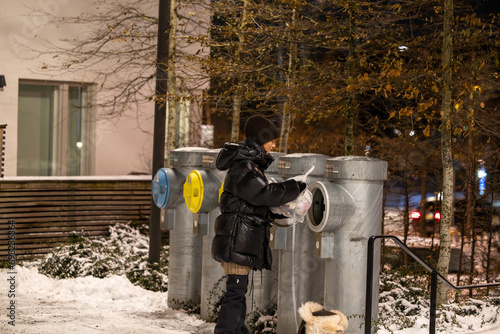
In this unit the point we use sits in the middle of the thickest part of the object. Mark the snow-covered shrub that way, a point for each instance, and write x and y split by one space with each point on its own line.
404 303
190 306
81 258
149 276
263 321
123 252
215 298
400 300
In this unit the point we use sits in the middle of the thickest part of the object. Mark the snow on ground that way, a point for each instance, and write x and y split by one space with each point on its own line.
492 330
113 305
88 305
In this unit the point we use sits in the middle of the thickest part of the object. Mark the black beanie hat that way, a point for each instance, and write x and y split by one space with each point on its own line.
261 130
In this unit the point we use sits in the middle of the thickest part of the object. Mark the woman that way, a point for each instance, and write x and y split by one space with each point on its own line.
241 241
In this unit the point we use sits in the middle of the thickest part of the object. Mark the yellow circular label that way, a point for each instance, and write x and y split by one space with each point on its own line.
193 191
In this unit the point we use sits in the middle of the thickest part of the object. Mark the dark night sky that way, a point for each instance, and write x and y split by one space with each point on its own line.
490 6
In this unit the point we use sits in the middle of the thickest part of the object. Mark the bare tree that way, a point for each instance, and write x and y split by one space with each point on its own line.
118 51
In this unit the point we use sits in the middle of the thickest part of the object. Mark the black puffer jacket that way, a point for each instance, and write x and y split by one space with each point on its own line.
242 229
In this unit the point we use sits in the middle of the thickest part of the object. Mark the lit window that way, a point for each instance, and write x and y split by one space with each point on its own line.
55 128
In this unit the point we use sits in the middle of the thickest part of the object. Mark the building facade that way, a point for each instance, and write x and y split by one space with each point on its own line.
53 123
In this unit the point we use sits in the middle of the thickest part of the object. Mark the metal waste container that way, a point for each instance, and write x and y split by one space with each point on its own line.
346 212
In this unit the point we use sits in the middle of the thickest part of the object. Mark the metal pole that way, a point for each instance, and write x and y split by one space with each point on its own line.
432 325
159 122
2 147
369 286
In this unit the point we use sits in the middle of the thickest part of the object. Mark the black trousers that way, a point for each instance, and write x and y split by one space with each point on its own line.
233 309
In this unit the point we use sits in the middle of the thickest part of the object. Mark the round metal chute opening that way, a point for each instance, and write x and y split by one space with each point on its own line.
317 210
332 207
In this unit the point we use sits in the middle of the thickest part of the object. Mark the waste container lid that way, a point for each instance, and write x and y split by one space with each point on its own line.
193 191
221 190
299 163
273 168
160 188
209 158
187 156
356 168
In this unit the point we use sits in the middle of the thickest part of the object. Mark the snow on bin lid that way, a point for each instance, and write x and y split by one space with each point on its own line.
209 158
299 163
356 168
273 168
187 156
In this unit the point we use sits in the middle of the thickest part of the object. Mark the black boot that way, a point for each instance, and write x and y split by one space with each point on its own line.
232 313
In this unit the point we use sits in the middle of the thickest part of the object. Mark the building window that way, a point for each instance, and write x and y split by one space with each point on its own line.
55 129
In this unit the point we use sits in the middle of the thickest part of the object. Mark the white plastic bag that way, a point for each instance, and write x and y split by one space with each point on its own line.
296 210
302 205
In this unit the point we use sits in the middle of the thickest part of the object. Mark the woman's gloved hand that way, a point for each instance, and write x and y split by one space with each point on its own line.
277 216
302 185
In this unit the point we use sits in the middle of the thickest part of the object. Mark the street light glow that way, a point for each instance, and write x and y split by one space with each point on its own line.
481 173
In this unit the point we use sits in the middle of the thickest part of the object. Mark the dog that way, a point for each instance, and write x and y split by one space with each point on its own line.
317 320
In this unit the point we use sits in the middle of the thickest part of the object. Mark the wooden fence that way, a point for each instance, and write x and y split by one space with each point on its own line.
43 212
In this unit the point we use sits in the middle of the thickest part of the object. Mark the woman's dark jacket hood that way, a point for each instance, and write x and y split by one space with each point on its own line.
232 153
242 229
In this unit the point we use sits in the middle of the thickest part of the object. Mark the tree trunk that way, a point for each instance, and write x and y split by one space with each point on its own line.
490 238
182 105
237 98
406 217
461 254
351 111
446 154
285 128
471 202
472 254
235 123
349 132
470 182
286 124
171 138
422 227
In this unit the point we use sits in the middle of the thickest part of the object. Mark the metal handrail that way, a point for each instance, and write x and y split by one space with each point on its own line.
435 275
